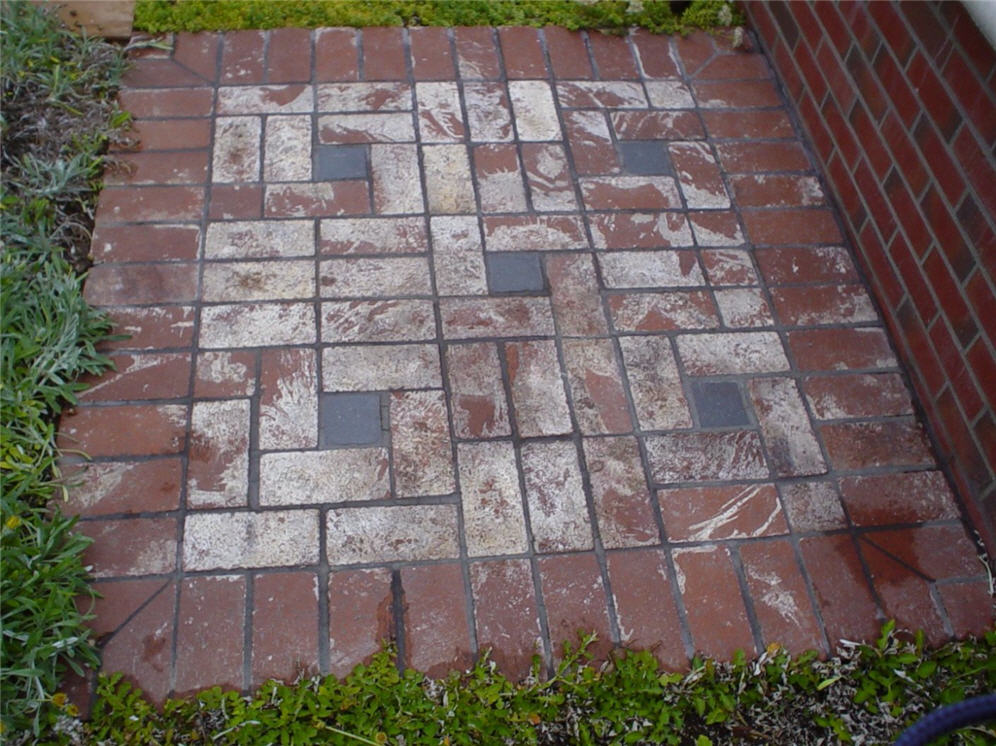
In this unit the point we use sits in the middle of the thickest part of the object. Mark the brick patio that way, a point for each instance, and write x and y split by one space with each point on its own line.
473 338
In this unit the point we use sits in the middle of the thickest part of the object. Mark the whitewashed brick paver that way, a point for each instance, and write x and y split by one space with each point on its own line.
258 280
260 239
493 519
537 389
813 506
288 407
527 233
651 125
236 150
535 112
558 511
720 513
710 234
477 397
374 277
743 307
373 236
397 187
311 477
729 267
380 367
669 94
271 99
641 269
593 379
848 305
746 352
439 115
630 192
495 317
598 94
458 256
793 450
549 177
621 499
575 294
363 97
222 368
643 230
378 321
664 311
360 128
218 466
447 179
702 456
400 533
828 401
590 140
499 178
306 199
287 155
422 454
698 175
653 378
102 479
488 112
257 325
273 538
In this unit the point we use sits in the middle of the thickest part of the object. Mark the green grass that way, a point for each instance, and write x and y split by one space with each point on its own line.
610 15
58 111
867 693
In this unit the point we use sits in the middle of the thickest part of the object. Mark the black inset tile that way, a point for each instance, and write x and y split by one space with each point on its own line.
515 272
645 157
349 420
719 403
336 162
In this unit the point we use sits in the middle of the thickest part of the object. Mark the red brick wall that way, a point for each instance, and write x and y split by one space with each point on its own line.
899 101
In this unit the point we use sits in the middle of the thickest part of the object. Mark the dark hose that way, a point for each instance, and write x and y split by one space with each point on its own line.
950 718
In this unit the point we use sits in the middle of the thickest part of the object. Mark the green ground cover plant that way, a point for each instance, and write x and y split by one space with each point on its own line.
57 115
865 694
157 16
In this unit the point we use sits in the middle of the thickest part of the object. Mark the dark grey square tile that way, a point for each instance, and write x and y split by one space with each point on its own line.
349 419
719 403
517 272
645 157
334 162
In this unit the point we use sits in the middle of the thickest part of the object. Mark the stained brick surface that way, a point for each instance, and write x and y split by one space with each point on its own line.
905 137
478 338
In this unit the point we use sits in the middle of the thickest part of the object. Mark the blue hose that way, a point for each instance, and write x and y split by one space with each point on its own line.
950 718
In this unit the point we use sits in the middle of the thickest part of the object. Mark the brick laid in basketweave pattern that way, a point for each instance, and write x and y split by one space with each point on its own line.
473 337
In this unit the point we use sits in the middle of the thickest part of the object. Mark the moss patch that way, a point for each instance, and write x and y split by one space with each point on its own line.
157 16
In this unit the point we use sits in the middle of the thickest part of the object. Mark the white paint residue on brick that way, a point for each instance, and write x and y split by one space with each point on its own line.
775 596
729 512
289 419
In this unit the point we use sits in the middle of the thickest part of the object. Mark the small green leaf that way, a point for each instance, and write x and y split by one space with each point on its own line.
827 683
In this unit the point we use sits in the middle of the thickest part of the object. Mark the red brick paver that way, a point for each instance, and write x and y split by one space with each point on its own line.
474 338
